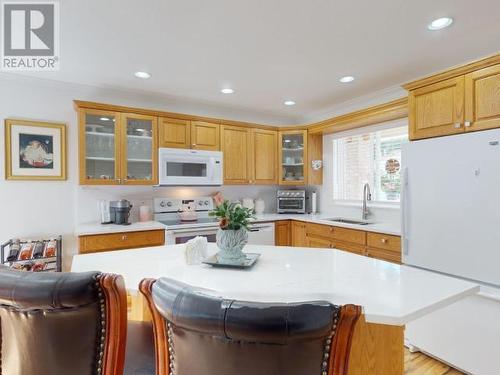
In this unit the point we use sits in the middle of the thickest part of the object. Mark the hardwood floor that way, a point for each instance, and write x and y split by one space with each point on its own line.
420 364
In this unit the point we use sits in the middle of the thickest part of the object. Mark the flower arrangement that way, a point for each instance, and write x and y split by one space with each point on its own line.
232 216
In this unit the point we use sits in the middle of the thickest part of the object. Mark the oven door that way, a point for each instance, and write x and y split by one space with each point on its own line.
184 235
293 205
189 167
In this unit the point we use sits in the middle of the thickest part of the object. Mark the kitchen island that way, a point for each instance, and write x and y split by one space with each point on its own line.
391 295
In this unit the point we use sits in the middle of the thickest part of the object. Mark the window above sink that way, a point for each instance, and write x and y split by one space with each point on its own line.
373 157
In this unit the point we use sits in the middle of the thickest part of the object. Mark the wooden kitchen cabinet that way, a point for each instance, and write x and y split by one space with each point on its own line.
139 150
250 155
196 135
437 109
120 241
319 242
282 233
292 160
384 246
205 136
174 133
375 245
462 99
235 145
482 99
117 148
346 239
350 247
299 234
264 158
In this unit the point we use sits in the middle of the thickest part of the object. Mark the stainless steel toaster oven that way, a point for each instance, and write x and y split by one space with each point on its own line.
291 201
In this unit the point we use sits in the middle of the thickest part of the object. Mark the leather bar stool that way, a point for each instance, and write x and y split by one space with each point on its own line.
196 333
69 323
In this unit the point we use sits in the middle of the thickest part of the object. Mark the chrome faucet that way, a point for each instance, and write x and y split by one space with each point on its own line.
367 196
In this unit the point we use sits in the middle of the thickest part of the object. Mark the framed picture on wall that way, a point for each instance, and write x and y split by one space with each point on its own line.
35 150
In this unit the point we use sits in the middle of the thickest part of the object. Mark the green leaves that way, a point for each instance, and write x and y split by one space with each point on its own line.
232 215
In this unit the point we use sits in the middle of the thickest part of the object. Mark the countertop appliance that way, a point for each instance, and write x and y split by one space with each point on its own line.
291 201
189 167
168 212
450 224
120 211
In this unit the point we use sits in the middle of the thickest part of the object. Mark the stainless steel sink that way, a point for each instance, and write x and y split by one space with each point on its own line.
349 221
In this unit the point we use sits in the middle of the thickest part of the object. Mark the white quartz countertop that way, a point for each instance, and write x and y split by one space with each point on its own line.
379 227
376 226
389 293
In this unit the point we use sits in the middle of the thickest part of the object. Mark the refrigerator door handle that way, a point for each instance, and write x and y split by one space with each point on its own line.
404 211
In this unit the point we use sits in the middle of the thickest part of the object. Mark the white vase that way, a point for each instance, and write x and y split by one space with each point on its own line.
231 243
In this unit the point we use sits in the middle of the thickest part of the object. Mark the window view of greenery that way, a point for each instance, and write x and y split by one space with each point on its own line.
373 158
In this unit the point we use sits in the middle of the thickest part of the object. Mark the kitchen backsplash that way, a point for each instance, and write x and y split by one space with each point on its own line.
88 197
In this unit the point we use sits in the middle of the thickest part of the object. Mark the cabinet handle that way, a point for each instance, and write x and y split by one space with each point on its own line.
193 145
119 180
467 124
331 229
124 237
458 125
383 240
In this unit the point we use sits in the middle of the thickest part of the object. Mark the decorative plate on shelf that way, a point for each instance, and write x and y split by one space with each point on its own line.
250 260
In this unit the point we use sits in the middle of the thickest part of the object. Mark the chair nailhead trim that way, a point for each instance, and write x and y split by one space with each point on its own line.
328 343
102 325
171 352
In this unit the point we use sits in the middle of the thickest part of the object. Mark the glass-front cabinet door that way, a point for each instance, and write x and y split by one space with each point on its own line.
99 141
293 157
117 148
139 150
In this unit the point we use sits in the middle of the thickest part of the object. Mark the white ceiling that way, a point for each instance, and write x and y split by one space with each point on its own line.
268 50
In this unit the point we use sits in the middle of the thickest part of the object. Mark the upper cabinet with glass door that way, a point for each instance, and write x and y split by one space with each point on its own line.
99 147
139 158
117 148
293 157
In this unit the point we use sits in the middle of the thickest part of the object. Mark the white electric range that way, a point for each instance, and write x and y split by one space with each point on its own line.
169 211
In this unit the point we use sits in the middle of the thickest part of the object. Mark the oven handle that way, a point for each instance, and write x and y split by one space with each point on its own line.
291 199
209 230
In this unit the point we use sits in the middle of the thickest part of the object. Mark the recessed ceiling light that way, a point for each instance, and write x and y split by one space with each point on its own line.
289 102
346 79
227 91
440 23
143 75
104 119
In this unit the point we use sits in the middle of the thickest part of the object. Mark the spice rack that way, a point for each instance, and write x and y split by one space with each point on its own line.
50 264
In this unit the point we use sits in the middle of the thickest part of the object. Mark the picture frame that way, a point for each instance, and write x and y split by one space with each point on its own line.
35 150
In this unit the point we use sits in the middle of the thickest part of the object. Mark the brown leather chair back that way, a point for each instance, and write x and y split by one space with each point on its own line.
196 333
62 323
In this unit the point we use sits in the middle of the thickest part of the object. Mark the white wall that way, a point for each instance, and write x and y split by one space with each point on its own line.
45 208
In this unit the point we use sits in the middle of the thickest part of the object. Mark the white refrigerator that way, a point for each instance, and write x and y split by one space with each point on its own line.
451 224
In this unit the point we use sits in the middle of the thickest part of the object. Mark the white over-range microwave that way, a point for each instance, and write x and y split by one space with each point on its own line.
189 167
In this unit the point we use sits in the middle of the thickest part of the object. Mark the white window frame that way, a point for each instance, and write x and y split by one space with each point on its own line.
363 130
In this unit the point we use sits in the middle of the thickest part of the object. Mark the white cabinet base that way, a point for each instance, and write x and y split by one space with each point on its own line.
465 335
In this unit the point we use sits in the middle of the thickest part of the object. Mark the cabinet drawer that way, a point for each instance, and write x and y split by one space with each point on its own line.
319 242
349 246
319 230
388 255
349 235
120 241
385 242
